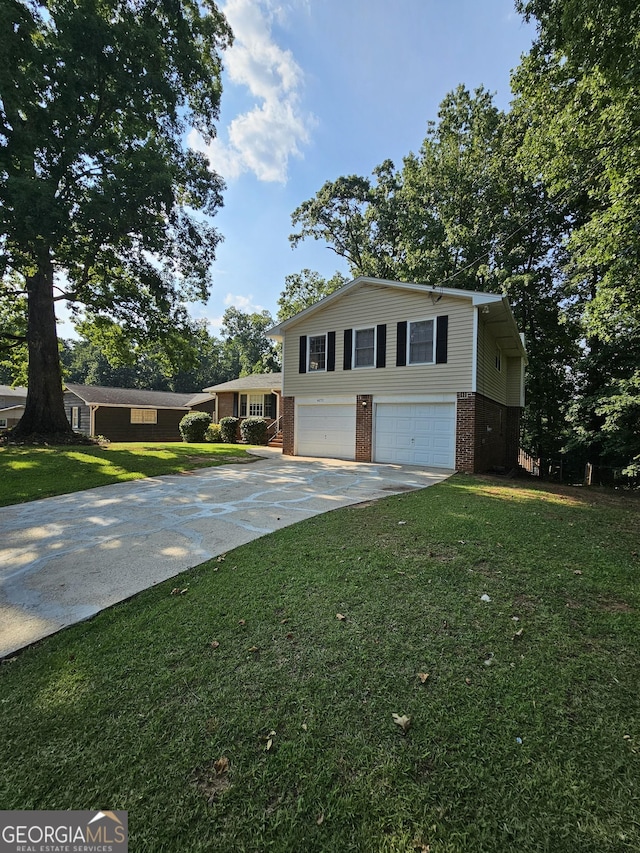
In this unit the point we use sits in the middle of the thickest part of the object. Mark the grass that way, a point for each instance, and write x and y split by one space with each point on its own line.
28 473
243 715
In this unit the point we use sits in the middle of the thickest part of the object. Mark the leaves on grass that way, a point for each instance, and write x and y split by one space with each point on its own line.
518 635
254 649
221 765
242 621
221 558
177 591
423 677
269 743
212 780
485 597
320 819
403 721
215 644
340 617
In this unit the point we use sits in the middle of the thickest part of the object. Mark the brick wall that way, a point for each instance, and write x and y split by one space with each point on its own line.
288 424
465 432
364 427
225 405
513 437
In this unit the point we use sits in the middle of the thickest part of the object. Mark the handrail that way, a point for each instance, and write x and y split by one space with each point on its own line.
275 427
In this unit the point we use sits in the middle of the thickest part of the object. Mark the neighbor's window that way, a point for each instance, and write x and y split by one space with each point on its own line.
498 359
421 342
364 346
75 417
3 423
317 352
144 416
256 405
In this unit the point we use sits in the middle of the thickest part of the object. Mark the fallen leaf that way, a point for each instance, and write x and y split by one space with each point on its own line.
177 591
215 644
518 634
253 649
270 738
242 622
221 765
320 819
221 558
289 636
467 681
340 617
304 727
485 597
402 522
403 721
423 676
489 660
577 572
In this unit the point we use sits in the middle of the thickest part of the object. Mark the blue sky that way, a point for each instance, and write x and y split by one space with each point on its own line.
316 89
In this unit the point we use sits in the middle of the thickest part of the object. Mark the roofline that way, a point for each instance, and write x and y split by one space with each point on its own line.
474 296
90 402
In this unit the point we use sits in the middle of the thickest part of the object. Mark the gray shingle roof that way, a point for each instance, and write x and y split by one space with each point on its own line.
255 382
132 397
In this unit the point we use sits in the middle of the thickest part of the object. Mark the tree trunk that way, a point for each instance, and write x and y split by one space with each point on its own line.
44 417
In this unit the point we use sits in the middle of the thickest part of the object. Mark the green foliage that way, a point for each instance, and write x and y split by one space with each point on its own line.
213 434
229 430
254 430
98 182
194 426
304 289
247 349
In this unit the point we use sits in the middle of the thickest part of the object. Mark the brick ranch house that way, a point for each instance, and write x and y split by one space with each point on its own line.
258 395
387 371
129 414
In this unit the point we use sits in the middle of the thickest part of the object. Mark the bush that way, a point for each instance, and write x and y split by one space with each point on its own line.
254 430
229 430
193 427
213 434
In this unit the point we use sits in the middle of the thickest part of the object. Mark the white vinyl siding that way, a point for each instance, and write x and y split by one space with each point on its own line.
491 382
379 305
144 416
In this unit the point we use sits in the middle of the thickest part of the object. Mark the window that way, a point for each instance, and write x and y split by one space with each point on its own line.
144 416
75 417
421 342
364 347
3 423
498 359
257 405
317 353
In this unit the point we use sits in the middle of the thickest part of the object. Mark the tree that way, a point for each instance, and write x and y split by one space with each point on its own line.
304 289
97 188
247 349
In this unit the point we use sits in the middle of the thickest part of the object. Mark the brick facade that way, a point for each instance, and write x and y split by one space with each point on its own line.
487 434
364 427
288 425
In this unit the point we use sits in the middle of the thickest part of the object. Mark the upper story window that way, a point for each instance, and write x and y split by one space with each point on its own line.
498 359
144 416
364 347
317 353
421 342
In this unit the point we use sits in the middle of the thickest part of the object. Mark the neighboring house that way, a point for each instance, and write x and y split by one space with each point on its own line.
258 395
385 371
129 414
12 401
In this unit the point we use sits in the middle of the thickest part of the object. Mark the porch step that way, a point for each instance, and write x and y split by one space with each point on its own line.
276 441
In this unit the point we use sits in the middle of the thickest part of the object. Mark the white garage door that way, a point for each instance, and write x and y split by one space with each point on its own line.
326 430
416 434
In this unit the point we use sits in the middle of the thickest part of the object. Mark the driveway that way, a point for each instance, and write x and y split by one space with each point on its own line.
64 559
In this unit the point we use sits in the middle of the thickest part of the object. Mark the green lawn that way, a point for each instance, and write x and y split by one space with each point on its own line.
245 715
28 473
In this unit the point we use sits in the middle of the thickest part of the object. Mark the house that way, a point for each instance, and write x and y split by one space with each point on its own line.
387 371
129 414
12 402
258 395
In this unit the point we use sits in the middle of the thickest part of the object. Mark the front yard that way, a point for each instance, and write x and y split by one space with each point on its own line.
247 705
28 473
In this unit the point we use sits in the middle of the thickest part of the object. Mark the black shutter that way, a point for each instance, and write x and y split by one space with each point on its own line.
270 406
331 350
348 346
302 365
401 345
235 404
442 329
381 345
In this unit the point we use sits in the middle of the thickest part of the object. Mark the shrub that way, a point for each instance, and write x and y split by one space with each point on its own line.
254 430
193 427
213 434
229 430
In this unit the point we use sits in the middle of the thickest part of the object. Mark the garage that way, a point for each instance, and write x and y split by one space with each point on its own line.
415 434
326 430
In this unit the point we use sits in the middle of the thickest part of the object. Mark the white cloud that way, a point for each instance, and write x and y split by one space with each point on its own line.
263 139
242 303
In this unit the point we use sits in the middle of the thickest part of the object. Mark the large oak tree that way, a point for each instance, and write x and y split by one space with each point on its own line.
102 203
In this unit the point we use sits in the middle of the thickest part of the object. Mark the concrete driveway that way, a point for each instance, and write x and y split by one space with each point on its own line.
64 559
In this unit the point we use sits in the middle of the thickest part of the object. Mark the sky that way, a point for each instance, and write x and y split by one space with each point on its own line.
318 89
